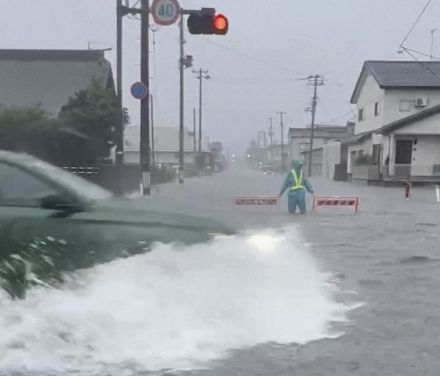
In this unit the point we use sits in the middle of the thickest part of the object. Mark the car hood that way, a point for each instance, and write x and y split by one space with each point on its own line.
146 212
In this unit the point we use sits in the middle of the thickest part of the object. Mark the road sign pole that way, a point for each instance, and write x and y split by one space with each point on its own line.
120 126
145 103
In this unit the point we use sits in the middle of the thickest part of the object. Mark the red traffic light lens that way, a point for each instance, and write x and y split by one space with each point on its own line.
221 23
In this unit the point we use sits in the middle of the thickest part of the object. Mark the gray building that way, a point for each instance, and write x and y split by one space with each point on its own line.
47 78
299 138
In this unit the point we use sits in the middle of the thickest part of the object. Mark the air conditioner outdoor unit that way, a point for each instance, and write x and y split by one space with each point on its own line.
421 102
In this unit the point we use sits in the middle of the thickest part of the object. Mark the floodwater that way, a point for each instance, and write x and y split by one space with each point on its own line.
322 294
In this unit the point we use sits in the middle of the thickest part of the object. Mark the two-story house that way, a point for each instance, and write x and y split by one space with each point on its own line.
397 130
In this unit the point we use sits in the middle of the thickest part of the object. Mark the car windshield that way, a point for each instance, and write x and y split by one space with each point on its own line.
80 187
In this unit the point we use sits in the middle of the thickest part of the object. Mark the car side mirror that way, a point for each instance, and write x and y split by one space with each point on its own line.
61 203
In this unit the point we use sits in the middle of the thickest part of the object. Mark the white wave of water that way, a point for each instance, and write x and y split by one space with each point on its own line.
174 308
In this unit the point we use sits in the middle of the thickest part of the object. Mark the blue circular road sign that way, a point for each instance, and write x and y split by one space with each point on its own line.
139 90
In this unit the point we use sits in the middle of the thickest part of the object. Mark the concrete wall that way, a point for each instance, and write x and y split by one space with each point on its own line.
295 145
365 173
369 95
317 161
353 152
331 158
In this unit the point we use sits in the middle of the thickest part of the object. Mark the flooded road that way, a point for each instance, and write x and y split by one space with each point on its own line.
388 255
329 293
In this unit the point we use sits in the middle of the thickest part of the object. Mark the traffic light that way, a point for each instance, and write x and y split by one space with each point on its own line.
207 22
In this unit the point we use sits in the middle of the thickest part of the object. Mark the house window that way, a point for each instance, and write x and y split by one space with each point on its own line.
361 114
376 109
405 105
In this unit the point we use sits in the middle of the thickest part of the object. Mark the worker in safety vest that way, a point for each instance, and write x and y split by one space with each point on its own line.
297 185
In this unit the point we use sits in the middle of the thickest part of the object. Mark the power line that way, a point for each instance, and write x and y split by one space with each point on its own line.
415 24
421 53
254 58
338 117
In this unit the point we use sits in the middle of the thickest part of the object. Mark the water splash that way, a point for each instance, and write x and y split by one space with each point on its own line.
174 308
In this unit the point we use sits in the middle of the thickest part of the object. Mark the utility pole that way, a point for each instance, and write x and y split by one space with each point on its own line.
315 81
152 133
120 126
184 62
201 75
271 139
281 113
145 103
194 131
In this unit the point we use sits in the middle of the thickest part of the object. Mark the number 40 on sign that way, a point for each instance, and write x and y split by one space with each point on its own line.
165 12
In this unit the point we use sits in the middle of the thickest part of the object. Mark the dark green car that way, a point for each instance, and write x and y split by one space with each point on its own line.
52 222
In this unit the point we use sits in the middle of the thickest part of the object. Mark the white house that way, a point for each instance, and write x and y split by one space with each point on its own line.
299 138
397 130
166 146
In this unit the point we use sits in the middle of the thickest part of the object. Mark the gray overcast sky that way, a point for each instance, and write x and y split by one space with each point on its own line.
293 38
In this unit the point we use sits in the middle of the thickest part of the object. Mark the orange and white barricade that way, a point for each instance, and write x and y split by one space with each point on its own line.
336 201
257 201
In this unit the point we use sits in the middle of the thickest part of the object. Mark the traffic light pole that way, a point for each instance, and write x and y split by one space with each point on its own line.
145 103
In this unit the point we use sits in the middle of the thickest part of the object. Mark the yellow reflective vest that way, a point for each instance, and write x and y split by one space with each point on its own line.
298 182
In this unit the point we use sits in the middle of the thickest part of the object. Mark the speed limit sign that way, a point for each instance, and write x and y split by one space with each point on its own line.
165 12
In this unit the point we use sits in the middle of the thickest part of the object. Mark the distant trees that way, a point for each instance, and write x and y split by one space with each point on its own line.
83 132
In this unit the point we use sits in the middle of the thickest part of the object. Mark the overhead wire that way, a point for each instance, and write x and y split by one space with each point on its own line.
342 116
254 58
415 24
422 53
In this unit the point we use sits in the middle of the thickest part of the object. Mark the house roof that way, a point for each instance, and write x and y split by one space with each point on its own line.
48 78
386 129
321 131
166 139
357 138
51 55
399 74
